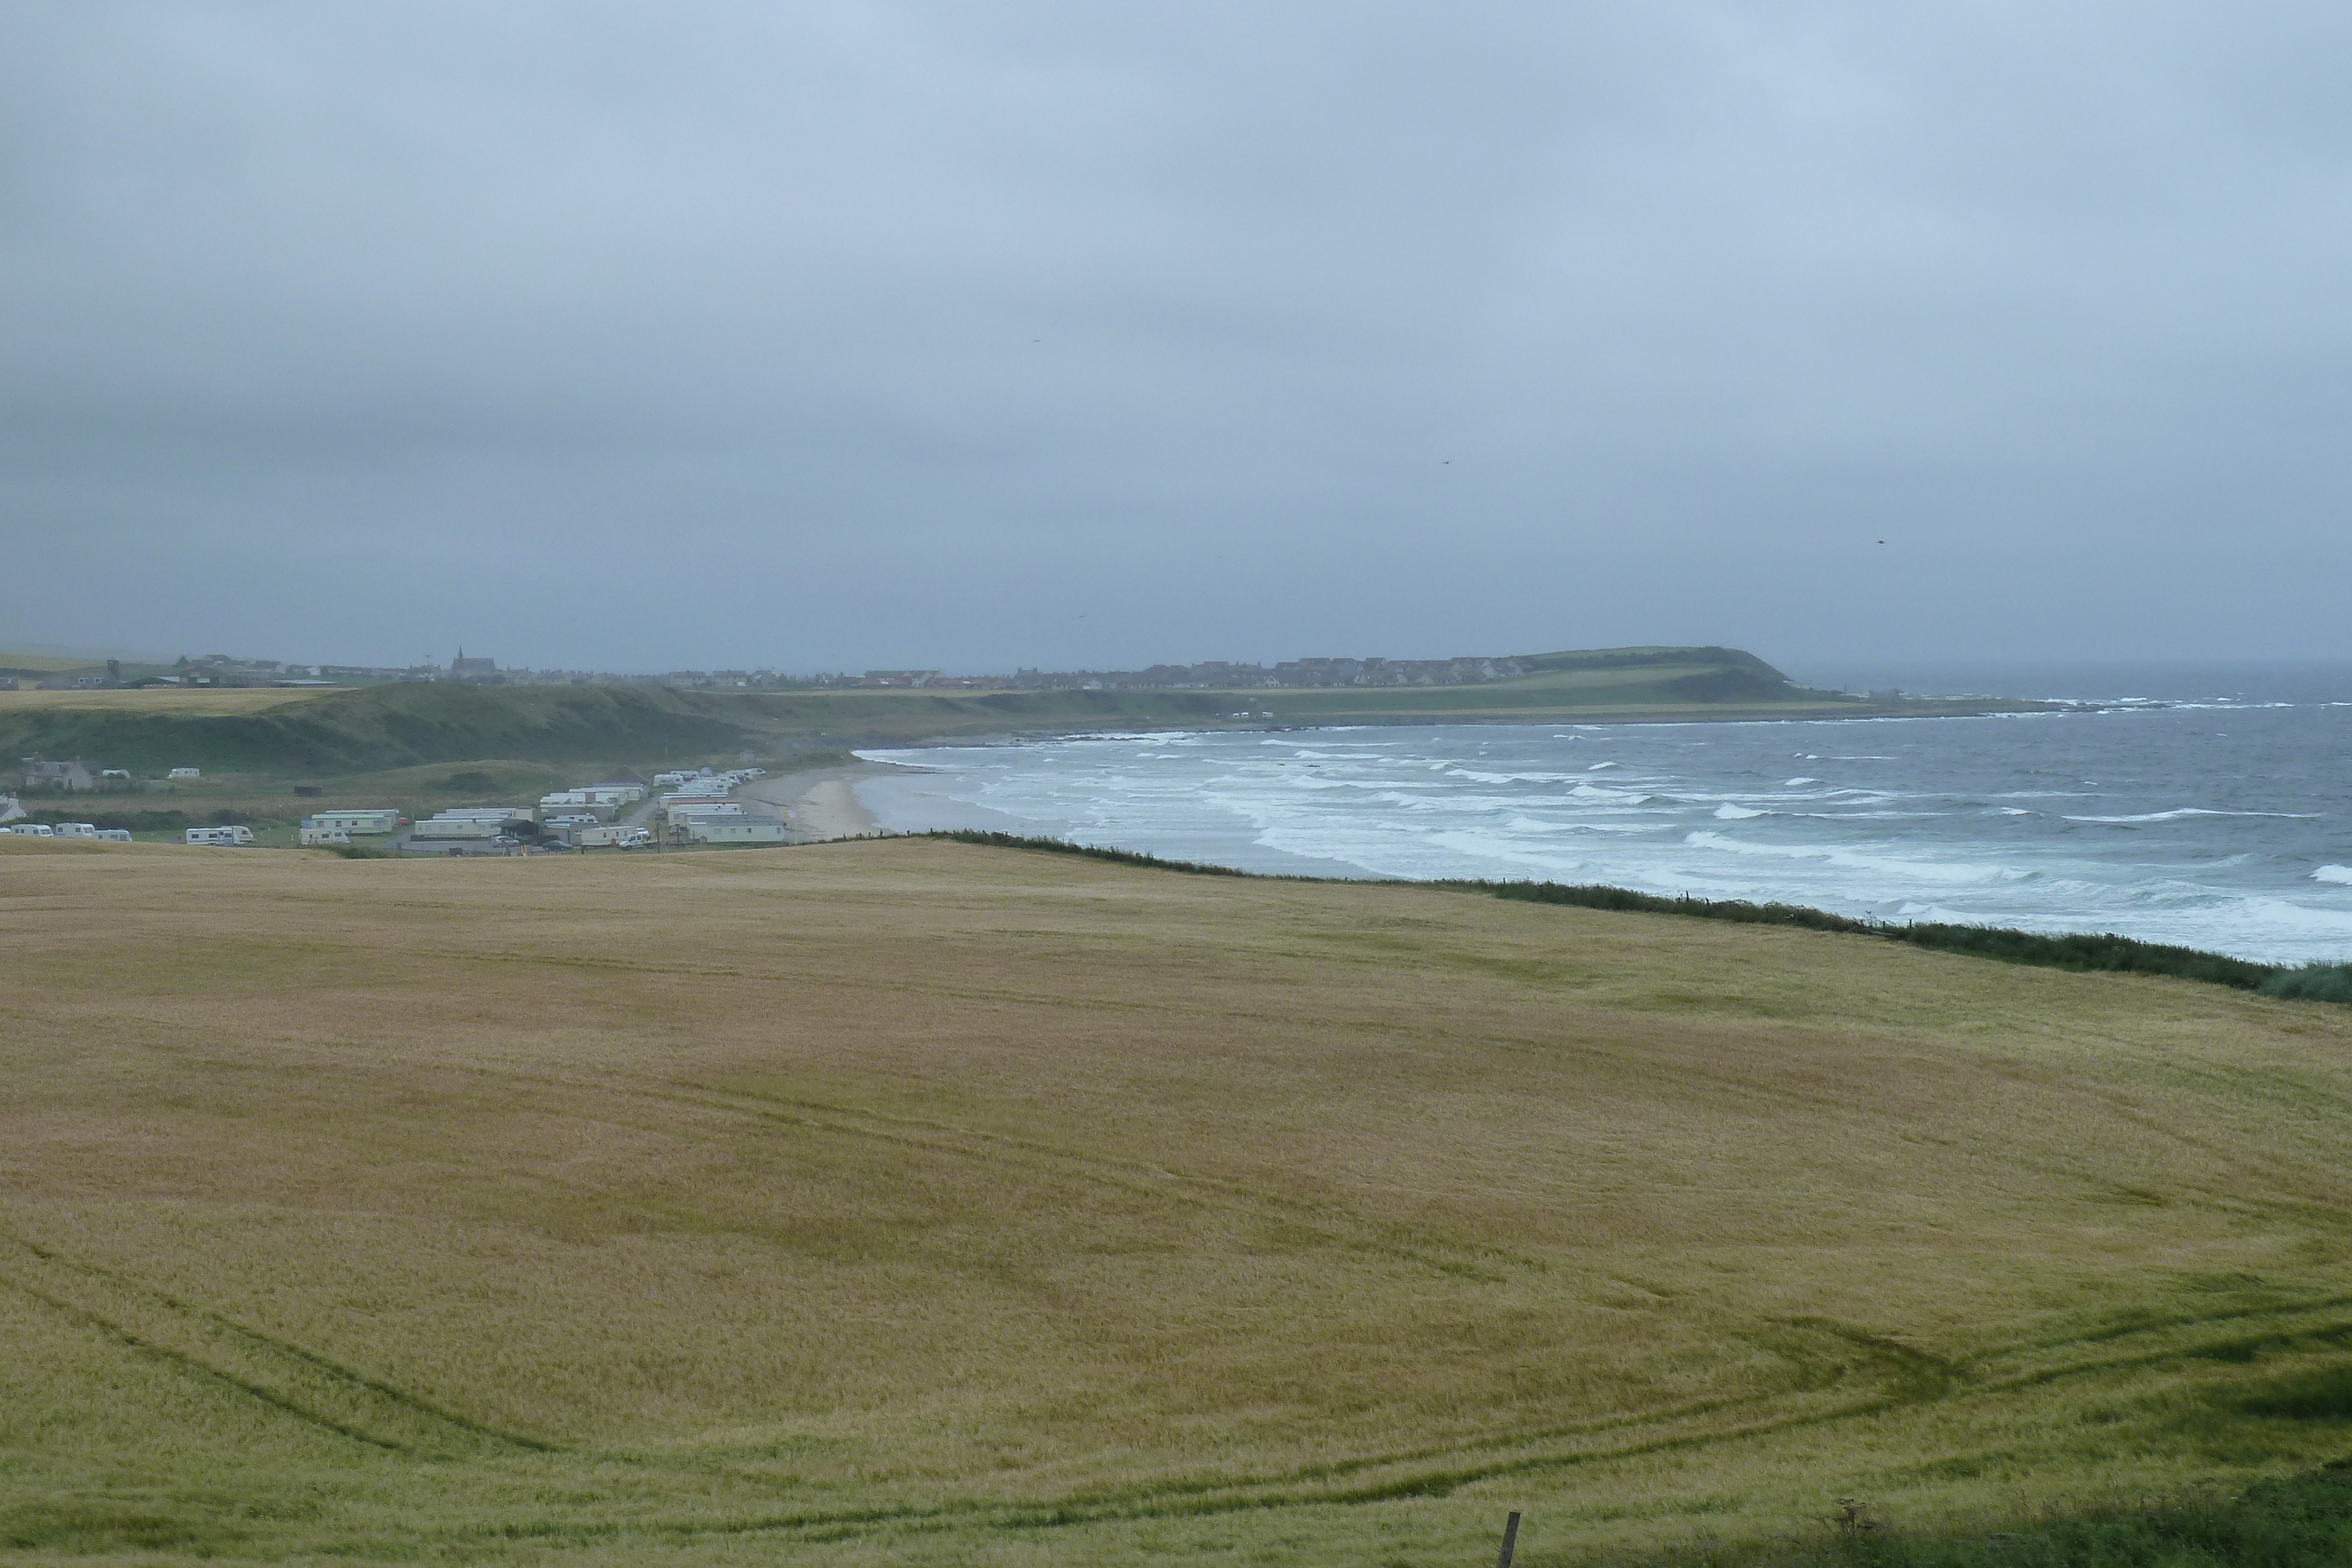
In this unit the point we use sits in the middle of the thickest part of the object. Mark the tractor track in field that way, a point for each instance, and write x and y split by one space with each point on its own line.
294 1380
1905 1377
1337 1224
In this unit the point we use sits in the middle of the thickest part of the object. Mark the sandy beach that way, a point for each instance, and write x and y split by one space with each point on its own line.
821 802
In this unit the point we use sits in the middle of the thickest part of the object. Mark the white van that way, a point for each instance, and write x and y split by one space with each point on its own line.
224 835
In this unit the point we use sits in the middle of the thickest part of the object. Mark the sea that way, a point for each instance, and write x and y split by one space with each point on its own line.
2208 806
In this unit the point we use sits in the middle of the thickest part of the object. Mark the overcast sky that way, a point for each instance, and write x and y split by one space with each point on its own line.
819 336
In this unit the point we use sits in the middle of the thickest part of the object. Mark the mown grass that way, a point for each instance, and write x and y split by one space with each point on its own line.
914 1201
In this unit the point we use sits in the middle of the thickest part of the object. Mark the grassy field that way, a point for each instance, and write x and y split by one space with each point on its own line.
169 701
911 1201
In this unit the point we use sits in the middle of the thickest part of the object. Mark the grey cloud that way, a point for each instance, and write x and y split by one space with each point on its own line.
833 335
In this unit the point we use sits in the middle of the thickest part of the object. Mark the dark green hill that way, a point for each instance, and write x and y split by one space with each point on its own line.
379 727
392 727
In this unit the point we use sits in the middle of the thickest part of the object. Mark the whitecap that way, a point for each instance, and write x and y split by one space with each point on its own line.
2181 812
1730 813
1792 783
1926 871
2336 874
1477 778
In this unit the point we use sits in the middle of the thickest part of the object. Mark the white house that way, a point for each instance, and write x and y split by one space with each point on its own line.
40 775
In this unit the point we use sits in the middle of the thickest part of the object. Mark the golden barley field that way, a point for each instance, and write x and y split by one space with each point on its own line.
915 1202
206 703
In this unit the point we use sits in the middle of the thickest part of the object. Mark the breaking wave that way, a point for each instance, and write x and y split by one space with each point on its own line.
1959 821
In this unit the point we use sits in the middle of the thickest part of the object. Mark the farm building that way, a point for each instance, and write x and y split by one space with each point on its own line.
41 775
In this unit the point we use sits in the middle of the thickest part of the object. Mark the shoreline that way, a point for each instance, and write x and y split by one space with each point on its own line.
822 803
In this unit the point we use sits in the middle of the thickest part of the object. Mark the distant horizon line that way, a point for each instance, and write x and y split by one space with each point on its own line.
1875 662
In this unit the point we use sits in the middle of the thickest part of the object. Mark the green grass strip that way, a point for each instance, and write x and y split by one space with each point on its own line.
2080 952
2304 1522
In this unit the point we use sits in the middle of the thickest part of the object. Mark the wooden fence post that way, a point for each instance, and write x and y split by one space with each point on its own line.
1510 1541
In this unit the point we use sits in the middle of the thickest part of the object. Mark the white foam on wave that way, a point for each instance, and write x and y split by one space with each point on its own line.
1610 797
1854 860
2179 812
1727 812
1597 766
1792 783
2340 874
1875 816
1477 778
904 760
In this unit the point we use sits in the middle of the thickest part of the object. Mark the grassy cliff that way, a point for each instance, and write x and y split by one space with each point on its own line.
392 727
370 729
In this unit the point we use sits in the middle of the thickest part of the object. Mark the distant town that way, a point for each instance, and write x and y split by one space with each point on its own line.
221 670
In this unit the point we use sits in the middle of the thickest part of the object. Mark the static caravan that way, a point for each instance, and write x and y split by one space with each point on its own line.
735 830
227 835
312 837
34 831
357 819
115 835
77 830
458 828
187 773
